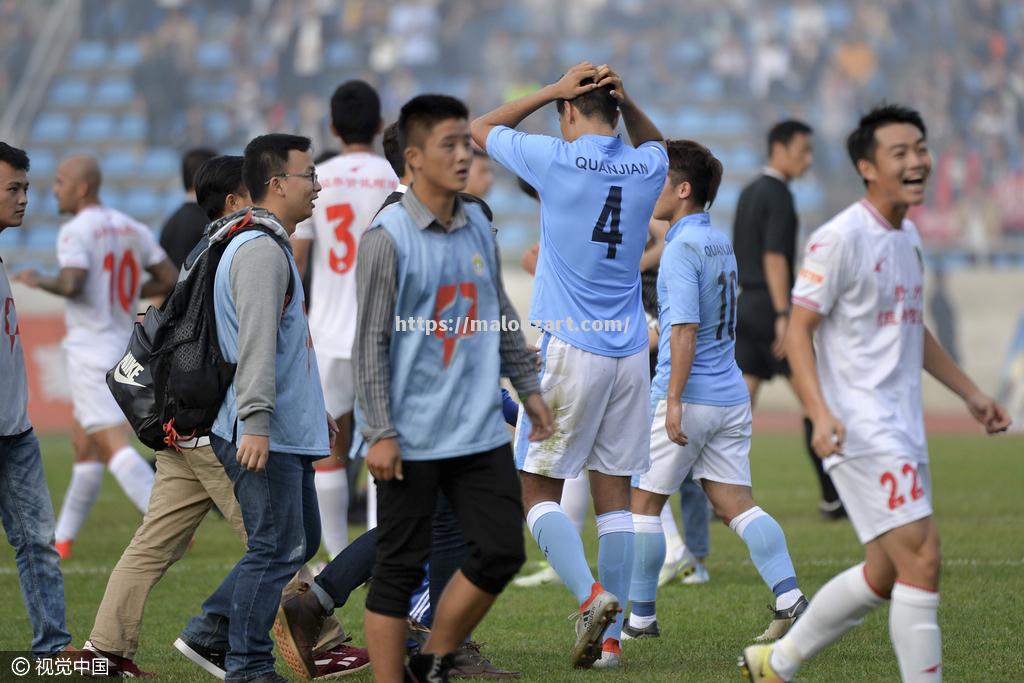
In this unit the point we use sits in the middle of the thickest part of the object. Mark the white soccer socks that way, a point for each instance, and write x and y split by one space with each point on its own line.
86 479
332 499
134 475
914 630
839 606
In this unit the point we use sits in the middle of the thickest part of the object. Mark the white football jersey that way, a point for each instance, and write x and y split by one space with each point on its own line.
115 249
867 279
354 188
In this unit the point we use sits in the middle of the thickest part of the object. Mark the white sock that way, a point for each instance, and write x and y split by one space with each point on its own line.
788 599
839 606
576 499
673 541
86 479
371 501
914 630
134 475
332 497
642 622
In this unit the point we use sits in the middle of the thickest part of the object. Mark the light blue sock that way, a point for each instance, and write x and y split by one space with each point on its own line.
648 556
615 560
767 545
562 547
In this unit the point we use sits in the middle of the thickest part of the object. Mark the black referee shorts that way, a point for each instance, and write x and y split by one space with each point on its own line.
755 334
483 490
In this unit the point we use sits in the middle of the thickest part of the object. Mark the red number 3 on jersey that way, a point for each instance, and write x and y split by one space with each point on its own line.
343 214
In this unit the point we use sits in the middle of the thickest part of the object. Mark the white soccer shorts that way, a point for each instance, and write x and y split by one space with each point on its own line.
881 492
92 403
717 448
338 382
601 411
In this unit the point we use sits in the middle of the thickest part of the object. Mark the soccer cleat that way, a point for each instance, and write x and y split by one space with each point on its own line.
783 620
297 629
698 576
832 511
592 620
428 669
611 655
211 661
632 633
545 575
756 665
680 563
469 662
64 549
117 666
341 661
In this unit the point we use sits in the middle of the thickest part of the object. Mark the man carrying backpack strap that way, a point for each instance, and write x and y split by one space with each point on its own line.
272 424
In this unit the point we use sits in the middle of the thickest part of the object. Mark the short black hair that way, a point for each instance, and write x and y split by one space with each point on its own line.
393 150
267 156
355 112
420 114
597 102
861 143
783 132
694 163
215 180
190 163
14 157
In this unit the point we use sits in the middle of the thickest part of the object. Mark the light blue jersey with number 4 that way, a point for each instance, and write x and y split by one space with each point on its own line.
697 284
596 198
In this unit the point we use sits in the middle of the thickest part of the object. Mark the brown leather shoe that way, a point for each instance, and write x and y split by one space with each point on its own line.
469 662
297 629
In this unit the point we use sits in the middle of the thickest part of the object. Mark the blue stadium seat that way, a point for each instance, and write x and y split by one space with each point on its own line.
119 164
342 54
89 55
69 92
42 237
44 163
126 55
213 56
52 127
685 53
95 126
212 90
217 125
114 92
728 195
142 203
706 87
112 196
132 127
160 162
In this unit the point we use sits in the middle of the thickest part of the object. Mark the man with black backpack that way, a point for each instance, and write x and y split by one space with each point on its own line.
272 424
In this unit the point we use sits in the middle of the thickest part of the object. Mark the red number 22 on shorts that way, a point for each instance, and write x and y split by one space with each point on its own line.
895 498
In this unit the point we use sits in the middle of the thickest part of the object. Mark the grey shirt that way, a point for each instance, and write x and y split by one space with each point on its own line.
13 380
377 293
259 283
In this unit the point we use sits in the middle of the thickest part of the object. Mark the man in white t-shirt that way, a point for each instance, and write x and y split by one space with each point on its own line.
861 290
355 184
102 255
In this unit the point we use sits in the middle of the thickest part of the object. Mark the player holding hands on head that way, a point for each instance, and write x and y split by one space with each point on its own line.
856 346
597 194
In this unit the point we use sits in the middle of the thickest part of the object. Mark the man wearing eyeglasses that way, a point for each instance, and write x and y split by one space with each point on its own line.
273 423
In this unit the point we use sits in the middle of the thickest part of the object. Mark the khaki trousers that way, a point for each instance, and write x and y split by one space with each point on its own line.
187 486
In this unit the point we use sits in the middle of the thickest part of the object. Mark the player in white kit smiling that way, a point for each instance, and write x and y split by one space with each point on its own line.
102 255
856 345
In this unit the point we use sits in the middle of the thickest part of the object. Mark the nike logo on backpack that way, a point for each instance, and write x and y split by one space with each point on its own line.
127 370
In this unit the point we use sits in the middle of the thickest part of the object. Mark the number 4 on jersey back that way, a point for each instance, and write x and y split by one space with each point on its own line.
610 216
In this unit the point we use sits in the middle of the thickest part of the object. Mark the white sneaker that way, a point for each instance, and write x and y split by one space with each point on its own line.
678 562
700 575
541 577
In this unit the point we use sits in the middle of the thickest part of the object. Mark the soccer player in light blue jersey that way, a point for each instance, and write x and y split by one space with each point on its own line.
597 194
700 404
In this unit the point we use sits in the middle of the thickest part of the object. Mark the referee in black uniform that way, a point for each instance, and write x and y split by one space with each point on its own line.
764 238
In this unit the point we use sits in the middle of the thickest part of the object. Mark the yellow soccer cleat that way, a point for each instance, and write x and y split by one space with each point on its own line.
756 666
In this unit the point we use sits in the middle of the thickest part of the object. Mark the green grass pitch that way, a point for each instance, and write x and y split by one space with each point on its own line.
978 494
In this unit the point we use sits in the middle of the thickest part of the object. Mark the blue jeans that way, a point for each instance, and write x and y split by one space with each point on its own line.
282 521
693 506
28 520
